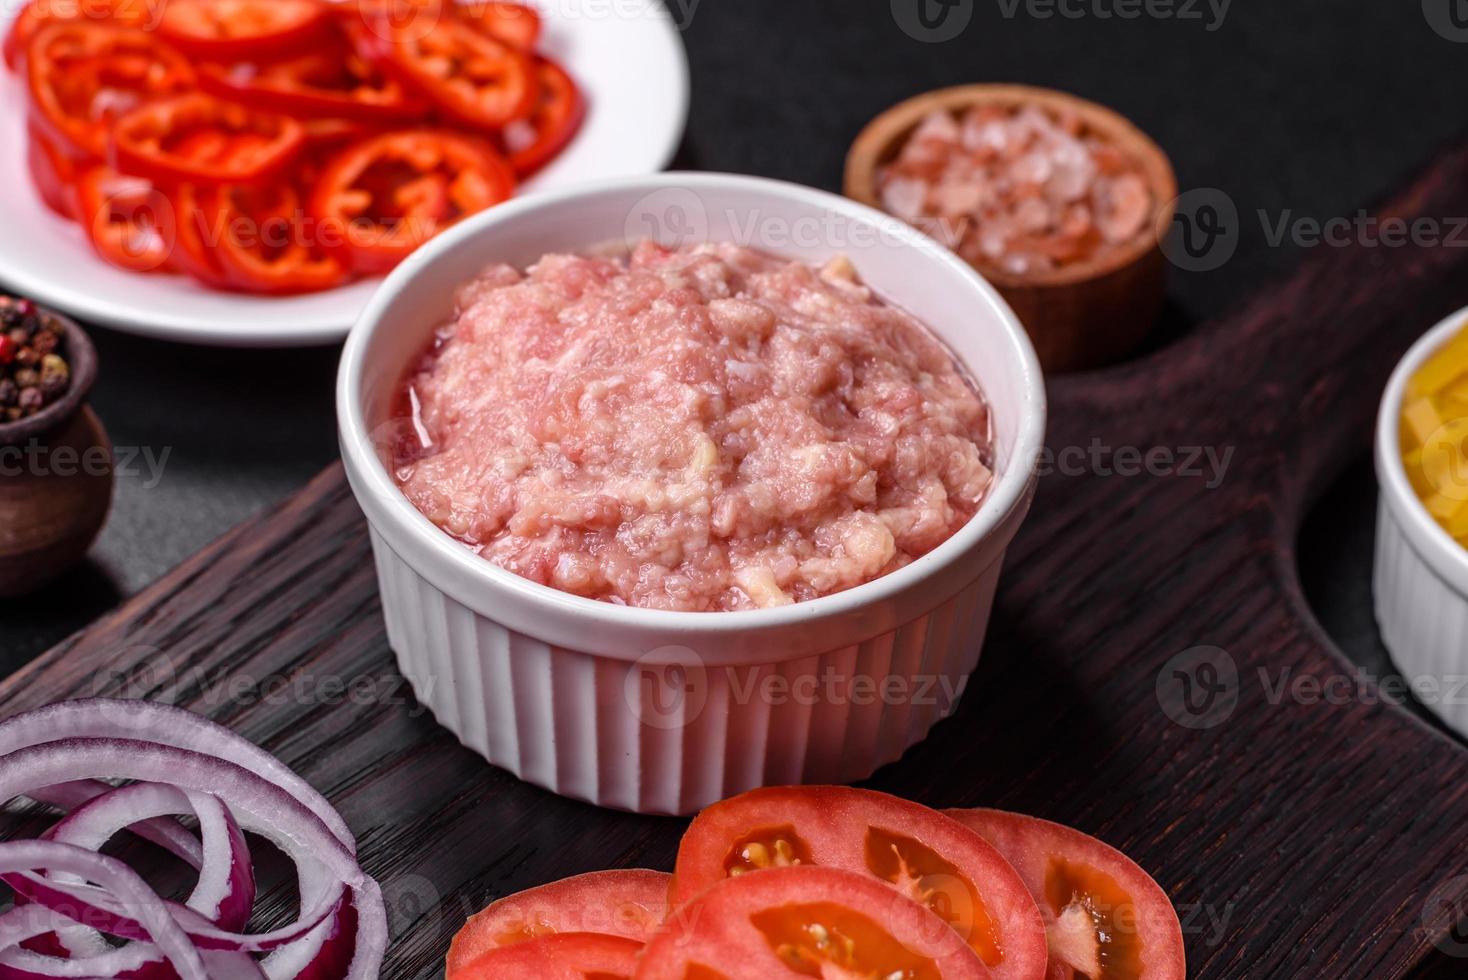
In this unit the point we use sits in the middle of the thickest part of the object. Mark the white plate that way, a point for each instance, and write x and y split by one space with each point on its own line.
626 55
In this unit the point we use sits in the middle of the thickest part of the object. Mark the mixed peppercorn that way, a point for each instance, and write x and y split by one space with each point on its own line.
33 368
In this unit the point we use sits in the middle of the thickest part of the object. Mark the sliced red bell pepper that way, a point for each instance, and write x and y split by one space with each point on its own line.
82 76
197 239
534 142
232 29
266 243
41 13
383 197
130 223
336 83
200 139
54 174
325 135
477 79
513 23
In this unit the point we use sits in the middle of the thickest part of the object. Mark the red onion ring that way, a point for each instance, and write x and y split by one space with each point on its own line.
137 961
167 834
225 892
164 724
60 753
119 880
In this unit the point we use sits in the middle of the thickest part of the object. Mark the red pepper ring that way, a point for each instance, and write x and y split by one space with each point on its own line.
534 142
479 80
130 223
229 29
54 174
38 14
199 139
387 19
197 254
379 199
513 23
263 241
81 76
334 84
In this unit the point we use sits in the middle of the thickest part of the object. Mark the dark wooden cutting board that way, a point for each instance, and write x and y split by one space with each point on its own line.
1298 839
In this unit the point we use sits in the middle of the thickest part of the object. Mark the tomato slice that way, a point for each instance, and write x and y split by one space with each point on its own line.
41 13
537 140
387 195
797 922
130 222
54 174
629 904
925 855
229 29
205 140
82 76
1106 918
568 956
477 79
336 83
513 23
261 242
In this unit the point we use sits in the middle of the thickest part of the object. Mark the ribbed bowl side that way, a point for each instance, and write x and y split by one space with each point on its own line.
670 734
1424 622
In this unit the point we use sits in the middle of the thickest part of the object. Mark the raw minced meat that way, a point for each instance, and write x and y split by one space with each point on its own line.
700 429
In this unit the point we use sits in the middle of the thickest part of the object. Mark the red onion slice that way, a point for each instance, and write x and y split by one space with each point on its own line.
324 862
324 954
119 880
137 961
167 834
225 892
164 724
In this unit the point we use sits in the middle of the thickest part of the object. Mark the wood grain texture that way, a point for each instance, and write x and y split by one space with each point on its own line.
1298 839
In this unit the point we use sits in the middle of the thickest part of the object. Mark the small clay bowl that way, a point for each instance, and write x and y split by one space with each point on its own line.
1083 315
55 479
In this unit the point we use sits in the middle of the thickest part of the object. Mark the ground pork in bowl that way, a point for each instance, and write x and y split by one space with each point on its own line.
688 484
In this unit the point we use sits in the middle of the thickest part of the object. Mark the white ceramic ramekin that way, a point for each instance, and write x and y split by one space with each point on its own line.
1421 580
663 712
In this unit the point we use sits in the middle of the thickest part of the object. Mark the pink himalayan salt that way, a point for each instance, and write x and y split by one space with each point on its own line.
1020 190
709 428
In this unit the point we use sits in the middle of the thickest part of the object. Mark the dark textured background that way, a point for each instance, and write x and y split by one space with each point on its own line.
1311 107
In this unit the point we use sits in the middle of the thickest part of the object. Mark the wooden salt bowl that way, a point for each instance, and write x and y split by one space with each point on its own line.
1083 315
